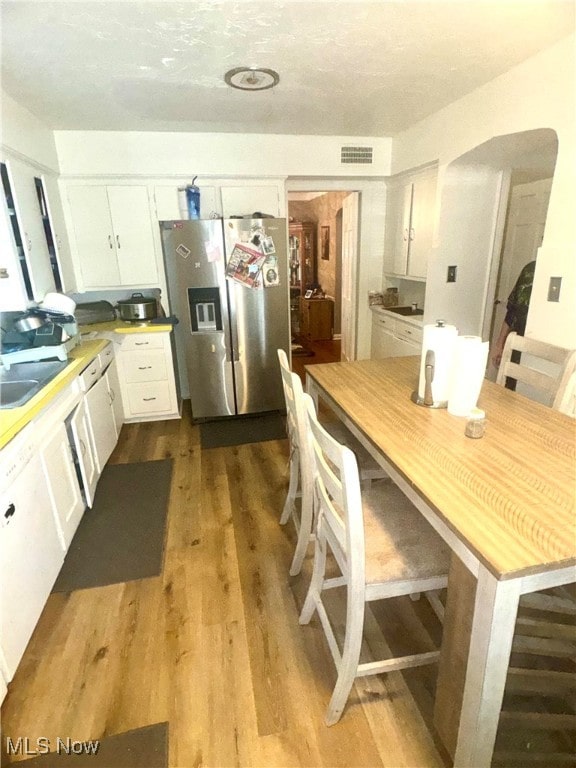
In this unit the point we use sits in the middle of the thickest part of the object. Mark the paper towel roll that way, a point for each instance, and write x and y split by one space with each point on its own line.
469 366
440 339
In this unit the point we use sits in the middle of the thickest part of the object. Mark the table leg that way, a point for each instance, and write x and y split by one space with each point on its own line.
495 609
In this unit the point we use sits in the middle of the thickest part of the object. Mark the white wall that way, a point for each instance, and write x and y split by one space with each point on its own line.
539 93
24 134
226 154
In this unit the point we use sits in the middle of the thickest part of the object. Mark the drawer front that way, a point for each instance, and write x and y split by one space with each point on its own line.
409 332
142 341
106 356
381 321
90 375
149 397
144 366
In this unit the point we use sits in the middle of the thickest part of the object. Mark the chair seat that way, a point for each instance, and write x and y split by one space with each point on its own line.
341 433
400 544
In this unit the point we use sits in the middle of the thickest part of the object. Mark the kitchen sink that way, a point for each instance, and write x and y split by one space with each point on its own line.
23 380
406 311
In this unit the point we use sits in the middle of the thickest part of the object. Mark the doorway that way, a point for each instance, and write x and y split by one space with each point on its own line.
316 276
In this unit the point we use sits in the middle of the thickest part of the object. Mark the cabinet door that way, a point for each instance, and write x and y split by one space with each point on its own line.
421 224
93 234
101 421
383 340
168 207
398 203
29 217
13 296
60 235
31 556
60 473
133 236
84 452
115 395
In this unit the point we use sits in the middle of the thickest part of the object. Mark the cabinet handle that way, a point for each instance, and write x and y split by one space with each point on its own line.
406 233
82 447
141 343
10 511
118 240
110 242
147 399
144 367
411 233
112 395
28 241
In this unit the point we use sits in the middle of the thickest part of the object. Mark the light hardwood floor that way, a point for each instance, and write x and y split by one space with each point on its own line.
213 644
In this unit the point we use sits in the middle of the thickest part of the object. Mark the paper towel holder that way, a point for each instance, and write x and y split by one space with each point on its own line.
428 401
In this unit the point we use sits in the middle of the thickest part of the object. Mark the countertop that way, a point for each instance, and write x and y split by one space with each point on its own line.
417 320
13 420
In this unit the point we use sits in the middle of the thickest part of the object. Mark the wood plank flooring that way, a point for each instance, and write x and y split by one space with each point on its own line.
213 644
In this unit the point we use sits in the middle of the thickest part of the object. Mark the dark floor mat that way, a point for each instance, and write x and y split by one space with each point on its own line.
243 429
300 351
141 748
122 537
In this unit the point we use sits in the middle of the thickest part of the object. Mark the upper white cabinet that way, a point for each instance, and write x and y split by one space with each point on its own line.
24 236
168 206
113 236
222 199
247 199
410 211
59 234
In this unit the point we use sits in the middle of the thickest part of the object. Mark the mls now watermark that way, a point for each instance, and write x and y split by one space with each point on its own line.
42 746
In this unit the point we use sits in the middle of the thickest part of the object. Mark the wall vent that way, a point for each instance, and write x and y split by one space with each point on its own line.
356 155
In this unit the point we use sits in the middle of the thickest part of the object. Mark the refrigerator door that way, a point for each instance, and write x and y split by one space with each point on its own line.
194 259
259 317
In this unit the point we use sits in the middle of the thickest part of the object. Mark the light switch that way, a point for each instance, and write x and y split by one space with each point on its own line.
554 289
451 276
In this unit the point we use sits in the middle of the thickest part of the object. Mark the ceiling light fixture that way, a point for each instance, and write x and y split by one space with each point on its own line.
252 78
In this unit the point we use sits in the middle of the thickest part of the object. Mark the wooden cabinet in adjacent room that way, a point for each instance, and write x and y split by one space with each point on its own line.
316 319
302 254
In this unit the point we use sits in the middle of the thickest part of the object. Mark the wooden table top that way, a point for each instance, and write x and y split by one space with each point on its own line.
508 496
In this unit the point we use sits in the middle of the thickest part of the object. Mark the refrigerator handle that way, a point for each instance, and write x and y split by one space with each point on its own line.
233 327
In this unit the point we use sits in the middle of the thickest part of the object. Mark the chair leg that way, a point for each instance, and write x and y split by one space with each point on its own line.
292 486
306 525
348 667
316 581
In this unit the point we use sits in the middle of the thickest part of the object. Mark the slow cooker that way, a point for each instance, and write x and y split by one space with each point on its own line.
138 307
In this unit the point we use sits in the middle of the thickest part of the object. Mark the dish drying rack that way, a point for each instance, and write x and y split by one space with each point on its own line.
35 354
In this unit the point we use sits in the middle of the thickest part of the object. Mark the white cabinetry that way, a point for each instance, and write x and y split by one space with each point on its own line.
246 199
392 337
222 199
79 426
59 233
65 496
410 211
146 373
113 236
102 425
31 553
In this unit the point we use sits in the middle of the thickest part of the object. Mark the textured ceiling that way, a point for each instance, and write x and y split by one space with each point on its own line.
346 68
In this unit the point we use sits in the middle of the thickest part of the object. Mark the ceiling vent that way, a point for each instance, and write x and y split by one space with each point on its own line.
356 155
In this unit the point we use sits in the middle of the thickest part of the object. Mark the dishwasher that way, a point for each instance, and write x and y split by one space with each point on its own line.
31 553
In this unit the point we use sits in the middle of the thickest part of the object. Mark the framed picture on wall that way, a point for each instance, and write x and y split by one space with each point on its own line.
325 242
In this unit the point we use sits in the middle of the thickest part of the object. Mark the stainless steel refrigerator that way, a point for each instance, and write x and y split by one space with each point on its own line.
228 286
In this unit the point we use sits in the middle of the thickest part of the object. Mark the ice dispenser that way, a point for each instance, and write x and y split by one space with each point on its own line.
205 311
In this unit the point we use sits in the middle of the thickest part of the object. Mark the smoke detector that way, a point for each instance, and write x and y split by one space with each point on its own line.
252 78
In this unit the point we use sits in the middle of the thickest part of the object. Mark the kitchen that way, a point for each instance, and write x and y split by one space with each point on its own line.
238 173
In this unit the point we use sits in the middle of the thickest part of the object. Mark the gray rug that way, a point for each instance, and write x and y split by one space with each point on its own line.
141 748
243 429
122 537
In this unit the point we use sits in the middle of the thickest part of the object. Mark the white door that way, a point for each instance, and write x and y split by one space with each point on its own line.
31 228
523 235
101 421
67 502
350 210
95 244
133 236
84 452
59 232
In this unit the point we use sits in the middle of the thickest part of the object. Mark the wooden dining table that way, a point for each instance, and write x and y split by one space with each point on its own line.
504 504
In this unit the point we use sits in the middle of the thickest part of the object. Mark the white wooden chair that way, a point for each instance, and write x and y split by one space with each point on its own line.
546 377
565 400
300 483
383 546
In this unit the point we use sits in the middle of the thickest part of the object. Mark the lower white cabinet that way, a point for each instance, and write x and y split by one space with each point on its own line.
392 337
65 496
31 555
147 380
115 395
103 433
79 427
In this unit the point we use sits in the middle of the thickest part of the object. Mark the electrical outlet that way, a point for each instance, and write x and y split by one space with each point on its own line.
451 276
554 289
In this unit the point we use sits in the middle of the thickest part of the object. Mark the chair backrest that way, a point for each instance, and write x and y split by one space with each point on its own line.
338 494
565 400
288 397
296 416
541 371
